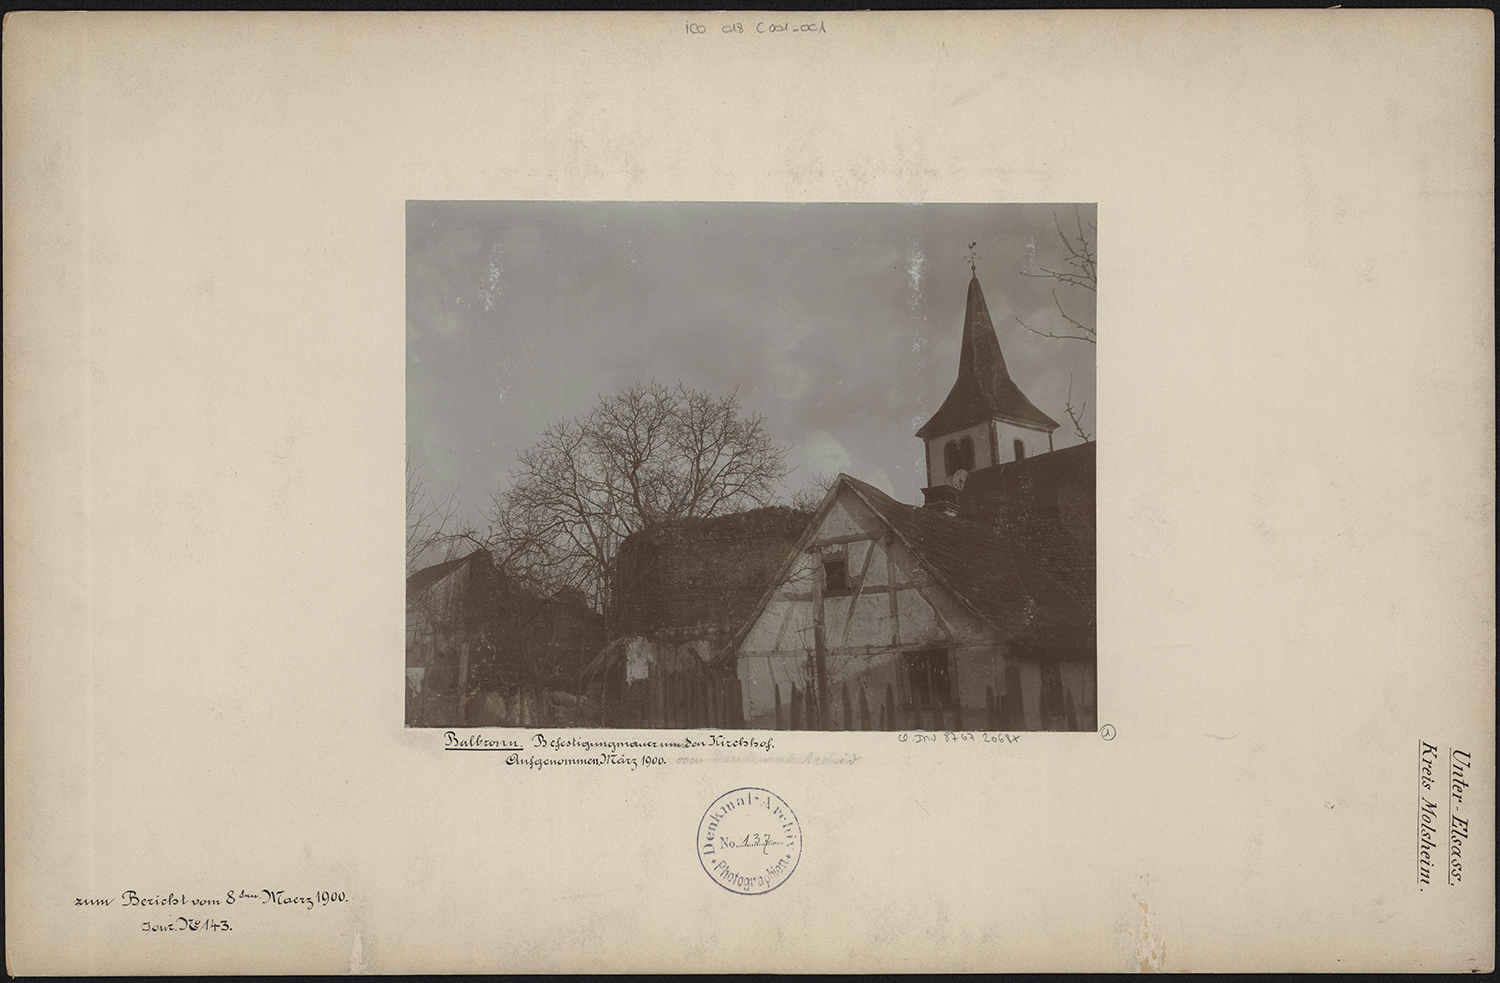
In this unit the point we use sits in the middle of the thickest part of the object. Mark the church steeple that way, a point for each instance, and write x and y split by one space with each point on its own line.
985 410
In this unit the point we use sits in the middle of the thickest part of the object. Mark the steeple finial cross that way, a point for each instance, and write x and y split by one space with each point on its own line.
973 256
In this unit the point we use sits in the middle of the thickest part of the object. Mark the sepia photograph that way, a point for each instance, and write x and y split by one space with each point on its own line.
767 604
751 466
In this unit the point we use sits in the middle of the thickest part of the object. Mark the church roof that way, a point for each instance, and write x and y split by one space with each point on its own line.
984 389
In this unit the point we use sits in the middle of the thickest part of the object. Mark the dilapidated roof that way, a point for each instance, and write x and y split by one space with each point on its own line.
989 570
701 572
984 389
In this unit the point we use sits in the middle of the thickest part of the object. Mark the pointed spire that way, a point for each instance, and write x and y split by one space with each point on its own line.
984 389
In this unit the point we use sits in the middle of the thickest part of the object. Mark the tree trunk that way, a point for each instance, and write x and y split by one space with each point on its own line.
825 711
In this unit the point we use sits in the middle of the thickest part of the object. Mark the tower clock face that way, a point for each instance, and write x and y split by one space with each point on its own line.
958 479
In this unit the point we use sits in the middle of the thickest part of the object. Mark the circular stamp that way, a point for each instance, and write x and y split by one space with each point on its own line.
749 841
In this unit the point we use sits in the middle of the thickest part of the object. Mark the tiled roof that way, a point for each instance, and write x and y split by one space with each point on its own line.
989 570
984 389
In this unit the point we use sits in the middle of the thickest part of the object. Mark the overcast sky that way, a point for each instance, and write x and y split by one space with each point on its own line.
839 323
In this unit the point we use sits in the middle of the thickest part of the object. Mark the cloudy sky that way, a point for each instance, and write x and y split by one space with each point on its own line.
839 323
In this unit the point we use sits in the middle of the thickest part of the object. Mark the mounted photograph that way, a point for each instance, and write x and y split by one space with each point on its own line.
752 466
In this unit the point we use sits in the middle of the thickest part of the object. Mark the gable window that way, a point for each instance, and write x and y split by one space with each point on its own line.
929 677
835 574
1020 451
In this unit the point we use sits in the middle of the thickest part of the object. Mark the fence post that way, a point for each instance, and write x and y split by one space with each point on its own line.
796 722
1068 708
463 684
1016 718
776 690
890 707
864 709
848 707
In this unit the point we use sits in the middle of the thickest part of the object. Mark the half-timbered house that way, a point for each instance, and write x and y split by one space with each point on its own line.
888 615
974 611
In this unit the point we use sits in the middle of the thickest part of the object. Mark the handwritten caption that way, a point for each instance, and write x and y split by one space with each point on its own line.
161 909
542 751
762 28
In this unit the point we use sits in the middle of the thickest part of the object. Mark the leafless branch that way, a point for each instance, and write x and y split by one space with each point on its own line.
811 495
1076 415
1061 337
1080 269
648 454
426 521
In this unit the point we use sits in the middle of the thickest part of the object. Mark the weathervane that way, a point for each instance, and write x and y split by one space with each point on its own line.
972 257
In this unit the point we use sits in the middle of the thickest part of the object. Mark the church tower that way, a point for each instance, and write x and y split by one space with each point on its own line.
986 420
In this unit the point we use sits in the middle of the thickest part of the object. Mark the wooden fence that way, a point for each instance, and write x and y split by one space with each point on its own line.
802 709
681 700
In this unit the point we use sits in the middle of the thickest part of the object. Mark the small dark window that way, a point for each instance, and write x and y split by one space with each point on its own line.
835 575
966 454
1020 451
928 676
952 458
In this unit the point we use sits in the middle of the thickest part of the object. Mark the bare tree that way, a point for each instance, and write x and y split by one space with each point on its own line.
648 454
427 521
1078 271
